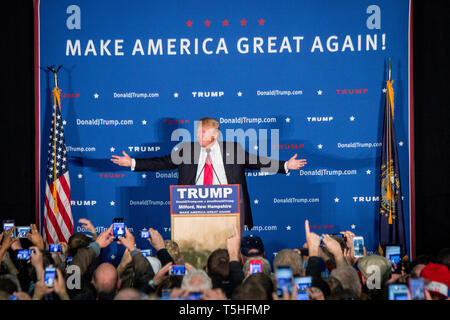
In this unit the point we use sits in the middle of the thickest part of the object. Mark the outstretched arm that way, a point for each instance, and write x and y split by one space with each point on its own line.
148 164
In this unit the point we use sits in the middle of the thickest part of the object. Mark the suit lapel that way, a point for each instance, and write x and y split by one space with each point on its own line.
225 155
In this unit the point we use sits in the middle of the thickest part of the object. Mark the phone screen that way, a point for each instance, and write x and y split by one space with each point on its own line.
146 252
8 225
255 266
302 283
358 246
178 270
145 234
417 289
194 296
394 256
24 254
49 277
55 248
398 292
284 280
118 228
21 232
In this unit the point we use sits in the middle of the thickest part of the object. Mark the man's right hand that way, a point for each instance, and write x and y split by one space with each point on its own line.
105 238
124 161
313 241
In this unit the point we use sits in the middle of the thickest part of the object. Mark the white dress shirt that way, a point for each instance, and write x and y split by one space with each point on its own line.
219 176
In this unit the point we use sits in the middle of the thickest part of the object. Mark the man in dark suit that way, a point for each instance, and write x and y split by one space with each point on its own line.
210 161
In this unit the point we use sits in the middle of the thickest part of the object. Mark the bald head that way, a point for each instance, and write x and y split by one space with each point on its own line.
106 279
128 294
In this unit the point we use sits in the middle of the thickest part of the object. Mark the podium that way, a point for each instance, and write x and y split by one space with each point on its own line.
203 218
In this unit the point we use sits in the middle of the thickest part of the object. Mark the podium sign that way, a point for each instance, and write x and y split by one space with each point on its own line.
217 199
203 218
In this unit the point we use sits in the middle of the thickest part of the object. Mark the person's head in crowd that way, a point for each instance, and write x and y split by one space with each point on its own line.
217 265
266 268
263 280
288 257
374 263
335 288
106 281
443 257
78 241
251 290
437 280
196 281
9 284
349 279
168 284
174 251
251 246
128 294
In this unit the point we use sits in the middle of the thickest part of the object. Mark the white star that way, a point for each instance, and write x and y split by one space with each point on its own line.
288 228
64 122
384 90
319 92
175 95
256 201
144 176
336 200
368 172
400 143
80 176
144 122
96 95
239 94
353 226
113 256
352 118
255 147
112 149
288 120
112 203
320 146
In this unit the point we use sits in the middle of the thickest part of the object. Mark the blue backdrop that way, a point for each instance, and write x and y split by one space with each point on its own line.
311 72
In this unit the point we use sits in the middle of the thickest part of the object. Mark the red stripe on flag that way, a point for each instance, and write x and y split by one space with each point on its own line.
52 219
65 186
65 216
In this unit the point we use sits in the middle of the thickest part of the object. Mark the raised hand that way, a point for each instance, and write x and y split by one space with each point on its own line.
295 164
124 161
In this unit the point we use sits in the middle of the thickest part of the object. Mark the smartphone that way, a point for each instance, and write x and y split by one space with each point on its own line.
21 232
284 280
24 254
177 270
147 252
398 292
302 283
145 234
255 266
11 297
393 254
49 277
118 228
194 296
8 224
417 289
358 247
55 248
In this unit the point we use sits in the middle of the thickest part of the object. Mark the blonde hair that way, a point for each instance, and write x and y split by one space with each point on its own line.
210 122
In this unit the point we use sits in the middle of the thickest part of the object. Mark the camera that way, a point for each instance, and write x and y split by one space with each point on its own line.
24 254
55 248
284 280
398 292
118 228
302 283
177 270
21 232
255 266
145 234
49 276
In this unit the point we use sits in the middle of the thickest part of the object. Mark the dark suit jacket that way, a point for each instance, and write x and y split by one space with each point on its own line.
236 160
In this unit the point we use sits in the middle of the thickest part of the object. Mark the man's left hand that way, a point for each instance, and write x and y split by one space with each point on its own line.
294 163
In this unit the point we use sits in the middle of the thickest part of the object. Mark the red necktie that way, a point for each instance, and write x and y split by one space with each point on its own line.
208 174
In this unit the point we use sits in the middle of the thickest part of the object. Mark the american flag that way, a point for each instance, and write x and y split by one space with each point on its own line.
58 221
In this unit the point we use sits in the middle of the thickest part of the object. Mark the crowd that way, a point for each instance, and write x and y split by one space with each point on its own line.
238 272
